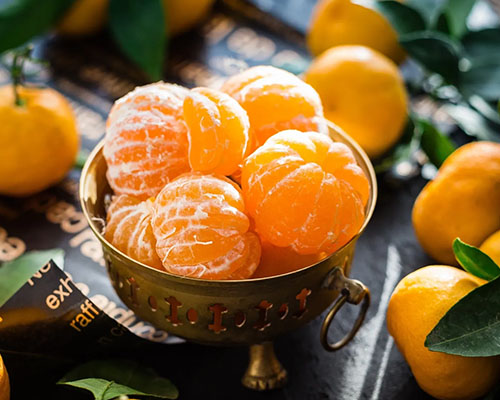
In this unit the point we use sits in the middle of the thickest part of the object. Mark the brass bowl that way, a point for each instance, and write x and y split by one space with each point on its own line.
242 312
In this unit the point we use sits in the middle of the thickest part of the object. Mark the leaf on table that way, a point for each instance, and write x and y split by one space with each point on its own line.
109 379
471 122
474 261
14 274
139 28
435 144
470 328
455 12
404 19
21 20
435 51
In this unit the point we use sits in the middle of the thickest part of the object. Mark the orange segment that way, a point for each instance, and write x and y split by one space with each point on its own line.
218 131
202 229
129 229
275 100
305 192
146 140
281 260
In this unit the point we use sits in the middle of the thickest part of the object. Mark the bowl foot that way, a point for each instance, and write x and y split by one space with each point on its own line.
264 371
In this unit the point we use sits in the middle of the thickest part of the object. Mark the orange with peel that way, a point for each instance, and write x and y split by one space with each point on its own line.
38 139
417 304
305 191
275 100
217 131
202 229
84 17
346 22
146 140
363 93
491 246
462 201
4 382
129 229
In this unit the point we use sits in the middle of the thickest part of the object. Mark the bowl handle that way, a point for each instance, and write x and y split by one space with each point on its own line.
351 291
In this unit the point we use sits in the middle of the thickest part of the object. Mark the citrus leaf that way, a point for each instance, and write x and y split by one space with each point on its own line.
482 46
482 79
470 328
474 261
429 9
139 28
435 144
435 51
456 12
14 274
403 18
109 379
21 20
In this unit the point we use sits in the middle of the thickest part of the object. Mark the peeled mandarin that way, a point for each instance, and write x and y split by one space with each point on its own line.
128 228
146 140
217 131
275 100
282 260
202 229
305 191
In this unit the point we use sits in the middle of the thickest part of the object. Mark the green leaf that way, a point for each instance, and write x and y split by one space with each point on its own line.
435 51
429 9
482 46
21 20
81 158
109 379
14 274
403 18
456 12
435 144
474 261
482 79
139 28
471 122
470 328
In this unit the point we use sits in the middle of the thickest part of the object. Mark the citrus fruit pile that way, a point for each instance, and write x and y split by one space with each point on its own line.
206 181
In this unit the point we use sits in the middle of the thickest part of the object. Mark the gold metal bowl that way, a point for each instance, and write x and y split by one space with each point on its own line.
248 312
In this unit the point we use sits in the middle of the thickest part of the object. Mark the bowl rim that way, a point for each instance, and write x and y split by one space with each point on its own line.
216 282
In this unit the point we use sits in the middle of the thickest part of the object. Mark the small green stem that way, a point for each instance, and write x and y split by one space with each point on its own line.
16 72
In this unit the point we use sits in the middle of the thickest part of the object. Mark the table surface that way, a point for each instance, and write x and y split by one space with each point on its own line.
92 73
